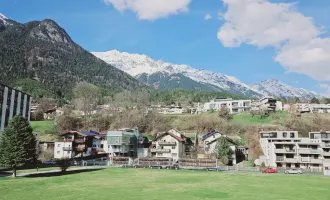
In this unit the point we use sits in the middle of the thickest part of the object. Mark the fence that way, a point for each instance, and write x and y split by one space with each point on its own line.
147 162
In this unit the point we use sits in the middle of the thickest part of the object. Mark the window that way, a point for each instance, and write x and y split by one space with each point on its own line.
291 135
94 145
58 152
58 145
173 147
160 154
326 168
101 146
285 134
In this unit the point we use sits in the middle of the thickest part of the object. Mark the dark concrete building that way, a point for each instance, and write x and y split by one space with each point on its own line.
13 102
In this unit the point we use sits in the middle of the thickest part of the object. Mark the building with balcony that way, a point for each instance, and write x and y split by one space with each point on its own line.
126 142
286 149
79 144
171 144
13 102
234 106
210 141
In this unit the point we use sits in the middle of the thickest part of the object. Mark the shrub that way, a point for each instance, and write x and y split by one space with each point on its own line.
63 163
224 113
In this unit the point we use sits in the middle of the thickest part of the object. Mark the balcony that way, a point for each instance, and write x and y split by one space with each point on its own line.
326 162
291 160
309 151
166 143
279 159
79 140
67 140
67 148
326 153
80 148
311 160
325 146
161 150
317 161
284 151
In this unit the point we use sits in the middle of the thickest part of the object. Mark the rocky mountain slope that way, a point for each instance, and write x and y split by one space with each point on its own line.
278 89
163 75
40 54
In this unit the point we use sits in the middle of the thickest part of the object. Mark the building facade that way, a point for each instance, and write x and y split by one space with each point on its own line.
126 142
286 149
13 102
79 144
234 106
171 144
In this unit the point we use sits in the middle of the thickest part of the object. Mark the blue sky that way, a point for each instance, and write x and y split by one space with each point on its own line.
185 37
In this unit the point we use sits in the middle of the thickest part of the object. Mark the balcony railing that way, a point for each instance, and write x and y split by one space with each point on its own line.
79 140
67 148
309 151
80 148
280 159
291 160
167 143
312 160
325 145
284 151
160 150
67 140
326 153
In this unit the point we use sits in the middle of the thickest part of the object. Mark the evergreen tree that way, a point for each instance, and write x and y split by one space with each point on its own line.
17 144
315 100
223 150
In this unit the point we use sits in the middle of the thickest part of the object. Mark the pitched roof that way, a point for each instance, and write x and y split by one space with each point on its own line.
182 137
86 133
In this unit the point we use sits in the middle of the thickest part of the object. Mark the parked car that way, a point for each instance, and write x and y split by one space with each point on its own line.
269 170
293 171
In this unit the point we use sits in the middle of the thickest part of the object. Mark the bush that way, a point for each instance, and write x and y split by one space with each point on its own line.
263 165
63 163
46 155
224 113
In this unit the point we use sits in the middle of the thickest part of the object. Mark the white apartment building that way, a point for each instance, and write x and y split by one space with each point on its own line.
234 106
286 149
312 108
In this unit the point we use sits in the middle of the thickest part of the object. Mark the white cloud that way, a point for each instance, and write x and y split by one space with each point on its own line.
296 39
151 9
207 17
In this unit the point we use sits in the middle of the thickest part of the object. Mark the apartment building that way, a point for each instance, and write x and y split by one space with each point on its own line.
234 106
325 145
13 102
79 144
171 144
126 142
286 149
312 108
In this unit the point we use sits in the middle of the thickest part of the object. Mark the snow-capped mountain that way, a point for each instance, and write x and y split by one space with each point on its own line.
276 88
3 20
145 68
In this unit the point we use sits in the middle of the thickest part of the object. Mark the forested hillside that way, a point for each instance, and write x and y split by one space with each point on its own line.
41 58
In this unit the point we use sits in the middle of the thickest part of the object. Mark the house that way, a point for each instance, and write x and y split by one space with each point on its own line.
52 113
312 108
126 142
171 144
43 146
13 102
286 149
210 141
168 110
78 144
234 106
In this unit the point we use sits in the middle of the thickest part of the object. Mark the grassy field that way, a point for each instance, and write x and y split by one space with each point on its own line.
148 184
41 126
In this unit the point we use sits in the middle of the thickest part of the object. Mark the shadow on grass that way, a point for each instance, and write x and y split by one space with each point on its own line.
59 173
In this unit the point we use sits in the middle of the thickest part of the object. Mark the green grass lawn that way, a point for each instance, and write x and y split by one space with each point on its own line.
41 126
135 184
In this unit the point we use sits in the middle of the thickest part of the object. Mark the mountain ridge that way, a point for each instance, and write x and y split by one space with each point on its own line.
137 65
